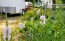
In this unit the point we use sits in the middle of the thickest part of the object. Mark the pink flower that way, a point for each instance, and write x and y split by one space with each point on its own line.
42 17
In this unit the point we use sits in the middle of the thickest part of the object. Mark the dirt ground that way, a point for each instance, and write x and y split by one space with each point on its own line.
13 21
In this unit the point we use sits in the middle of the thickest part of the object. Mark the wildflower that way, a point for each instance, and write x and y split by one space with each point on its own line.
21 25
7 31
42 18
4 34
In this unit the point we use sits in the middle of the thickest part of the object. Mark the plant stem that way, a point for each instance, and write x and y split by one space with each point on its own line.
6 20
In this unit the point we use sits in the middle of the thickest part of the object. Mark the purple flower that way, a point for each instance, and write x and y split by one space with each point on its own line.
4 34
9 33
7 29
42 18
22 25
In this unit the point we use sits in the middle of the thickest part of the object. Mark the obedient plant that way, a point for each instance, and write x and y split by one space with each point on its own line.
43 20
7 34
22 25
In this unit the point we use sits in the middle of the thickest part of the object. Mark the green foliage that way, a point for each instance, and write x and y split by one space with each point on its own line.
59 1
63 1
53 30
